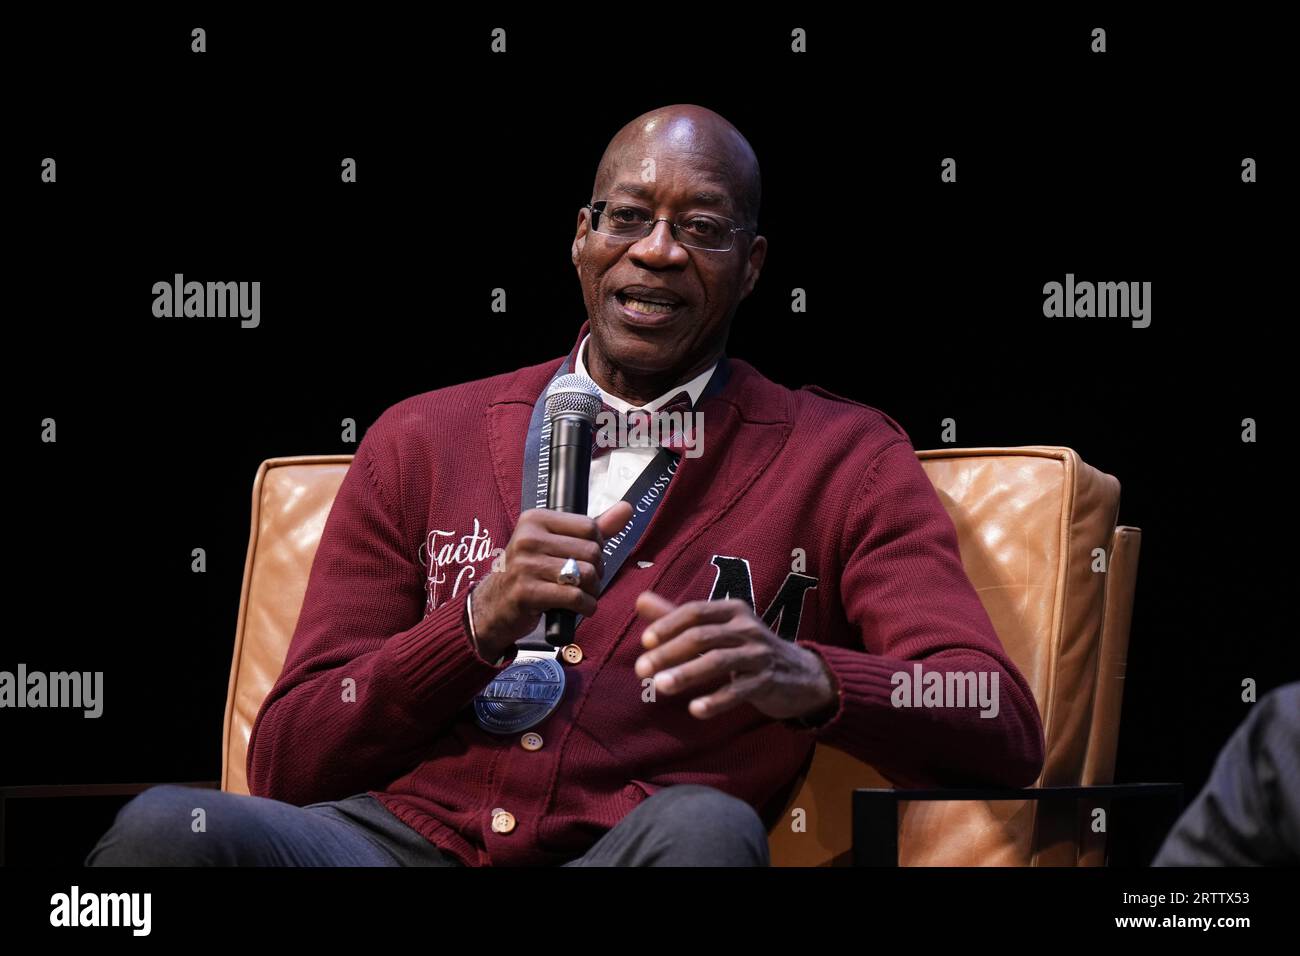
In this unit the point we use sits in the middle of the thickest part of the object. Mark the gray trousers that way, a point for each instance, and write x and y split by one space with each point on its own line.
684 825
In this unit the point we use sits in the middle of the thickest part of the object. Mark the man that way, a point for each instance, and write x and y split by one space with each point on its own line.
736 608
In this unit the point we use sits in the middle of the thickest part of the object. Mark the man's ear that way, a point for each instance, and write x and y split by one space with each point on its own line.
754 265
580 239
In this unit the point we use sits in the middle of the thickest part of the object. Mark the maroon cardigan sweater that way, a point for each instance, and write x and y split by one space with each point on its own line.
434 490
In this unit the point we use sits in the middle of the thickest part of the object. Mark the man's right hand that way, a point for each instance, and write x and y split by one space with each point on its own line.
510 601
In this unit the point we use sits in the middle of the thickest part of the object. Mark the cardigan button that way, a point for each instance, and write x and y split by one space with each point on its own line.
531 741
571 653
502 821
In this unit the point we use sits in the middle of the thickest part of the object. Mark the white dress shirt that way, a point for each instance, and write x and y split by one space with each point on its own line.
612 473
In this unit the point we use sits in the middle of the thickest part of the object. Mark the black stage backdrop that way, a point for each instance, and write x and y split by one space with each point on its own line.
924 298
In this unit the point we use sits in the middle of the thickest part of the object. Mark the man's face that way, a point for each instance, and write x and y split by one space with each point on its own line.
704 287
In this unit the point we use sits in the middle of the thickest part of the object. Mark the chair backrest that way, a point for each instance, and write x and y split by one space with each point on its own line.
1036 528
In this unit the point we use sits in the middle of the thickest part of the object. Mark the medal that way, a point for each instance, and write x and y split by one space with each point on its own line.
522 695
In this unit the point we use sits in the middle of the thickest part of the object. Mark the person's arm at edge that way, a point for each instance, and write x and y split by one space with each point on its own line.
1248 813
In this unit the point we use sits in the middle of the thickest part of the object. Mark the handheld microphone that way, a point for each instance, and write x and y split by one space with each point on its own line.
572 403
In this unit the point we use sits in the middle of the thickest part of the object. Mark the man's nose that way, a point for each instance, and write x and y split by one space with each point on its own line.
659 249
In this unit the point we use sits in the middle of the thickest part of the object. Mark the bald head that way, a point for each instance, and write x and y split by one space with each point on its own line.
691 134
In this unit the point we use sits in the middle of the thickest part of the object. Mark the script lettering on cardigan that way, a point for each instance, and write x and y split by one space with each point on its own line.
208 300
441 550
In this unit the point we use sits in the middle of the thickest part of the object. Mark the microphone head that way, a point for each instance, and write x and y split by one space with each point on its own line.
573 394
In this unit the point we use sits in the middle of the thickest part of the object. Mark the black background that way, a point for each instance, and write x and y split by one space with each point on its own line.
924 298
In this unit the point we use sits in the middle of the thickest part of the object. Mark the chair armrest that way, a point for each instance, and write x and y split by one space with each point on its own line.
875 811
80 790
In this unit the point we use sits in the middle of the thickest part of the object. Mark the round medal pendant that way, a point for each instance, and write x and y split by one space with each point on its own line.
522 695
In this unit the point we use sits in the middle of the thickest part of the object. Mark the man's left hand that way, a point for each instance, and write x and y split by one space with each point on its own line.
722 647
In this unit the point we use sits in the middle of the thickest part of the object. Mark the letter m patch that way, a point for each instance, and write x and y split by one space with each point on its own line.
782 615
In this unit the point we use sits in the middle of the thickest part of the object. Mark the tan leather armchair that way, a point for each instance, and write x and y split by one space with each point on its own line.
1038 538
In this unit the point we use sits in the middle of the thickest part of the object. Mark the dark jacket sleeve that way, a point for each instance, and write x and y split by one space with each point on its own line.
1249 812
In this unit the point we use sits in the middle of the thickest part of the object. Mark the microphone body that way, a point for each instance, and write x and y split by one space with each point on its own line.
572 406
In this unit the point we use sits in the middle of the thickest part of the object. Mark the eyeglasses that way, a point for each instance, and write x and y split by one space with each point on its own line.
623 220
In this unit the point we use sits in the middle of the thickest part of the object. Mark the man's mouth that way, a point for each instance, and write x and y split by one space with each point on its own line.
644 301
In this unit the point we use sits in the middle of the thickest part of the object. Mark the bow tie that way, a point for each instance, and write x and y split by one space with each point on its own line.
639 418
